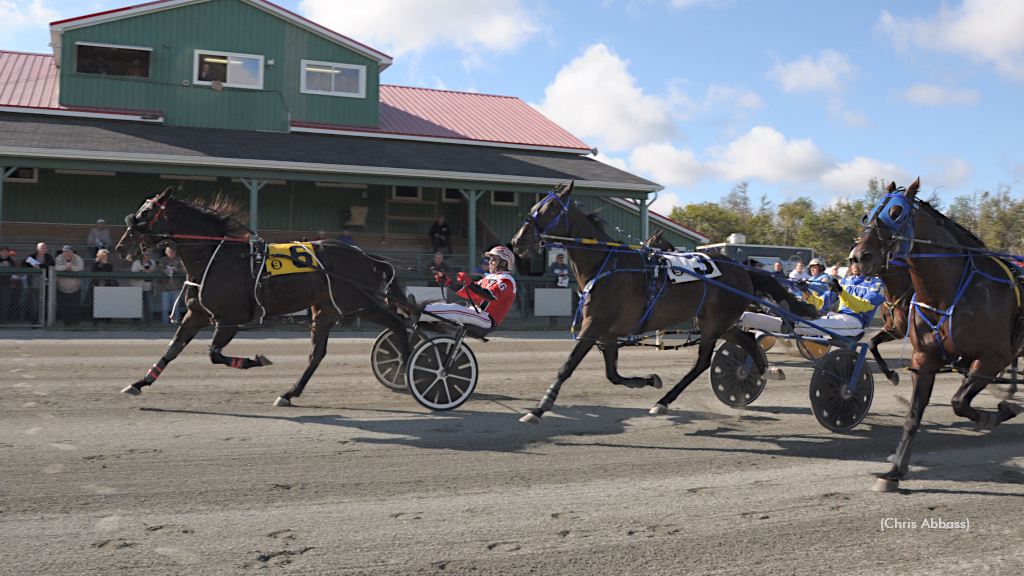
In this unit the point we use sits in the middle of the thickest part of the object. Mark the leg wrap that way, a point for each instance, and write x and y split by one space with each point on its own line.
155 371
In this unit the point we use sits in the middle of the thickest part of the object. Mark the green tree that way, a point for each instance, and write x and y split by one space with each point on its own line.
790 219
708 218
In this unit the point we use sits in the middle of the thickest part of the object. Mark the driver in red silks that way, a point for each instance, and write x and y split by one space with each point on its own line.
493 294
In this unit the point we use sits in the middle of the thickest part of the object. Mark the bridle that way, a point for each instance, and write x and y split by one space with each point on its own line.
899 228
138 238
539 231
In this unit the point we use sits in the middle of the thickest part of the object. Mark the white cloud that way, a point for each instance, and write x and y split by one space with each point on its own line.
683 4
826 74
765 154
17 16
668 165
851 178
932 95
988 30
837 108
738 97
595 97
399 27
949 172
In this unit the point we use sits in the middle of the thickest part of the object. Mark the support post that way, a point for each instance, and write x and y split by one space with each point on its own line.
3 176
472 196
254 185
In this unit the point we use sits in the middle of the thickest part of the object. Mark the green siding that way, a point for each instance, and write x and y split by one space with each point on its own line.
221 26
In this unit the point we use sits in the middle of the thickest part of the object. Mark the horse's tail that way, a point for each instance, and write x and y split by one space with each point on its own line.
388 281
767 284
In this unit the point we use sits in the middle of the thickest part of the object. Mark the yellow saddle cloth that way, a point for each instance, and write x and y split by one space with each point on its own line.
291 258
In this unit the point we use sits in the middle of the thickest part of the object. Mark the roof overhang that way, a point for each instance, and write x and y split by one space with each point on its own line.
57 28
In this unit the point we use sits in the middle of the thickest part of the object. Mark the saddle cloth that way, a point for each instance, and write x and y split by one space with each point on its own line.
694 262
291 258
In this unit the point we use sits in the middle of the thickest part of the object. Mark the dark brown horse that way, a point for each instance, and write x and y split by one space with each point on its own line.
623 297
898 292
227 286
967 313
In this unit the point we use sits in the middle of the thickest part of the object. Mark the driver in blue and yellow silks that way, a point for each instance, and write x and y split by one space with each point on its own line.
819 281
858 298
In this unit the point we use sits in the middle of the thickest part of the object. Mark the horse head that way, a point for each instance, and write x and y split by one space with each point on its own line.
888 229
150 220
550 215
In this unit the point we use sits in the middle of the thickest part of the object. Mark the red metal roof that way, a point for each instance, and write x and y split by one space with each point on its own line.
28 80
31 81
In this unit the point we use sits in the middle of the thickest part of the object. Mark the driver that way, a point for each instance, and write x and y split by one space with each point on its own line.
492 295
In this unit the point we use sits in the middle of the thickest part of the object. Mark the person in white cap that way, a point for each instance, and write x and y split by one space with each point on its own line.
492 295
99 236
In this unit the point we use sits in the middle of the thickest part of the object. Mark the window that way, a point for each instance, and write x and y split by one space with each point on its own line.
504 198
330 79
232 70
112 60
451 195
23 175
406 193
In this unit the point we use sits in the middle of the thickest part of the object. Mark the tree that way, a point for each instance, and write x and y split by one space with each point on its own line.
708 218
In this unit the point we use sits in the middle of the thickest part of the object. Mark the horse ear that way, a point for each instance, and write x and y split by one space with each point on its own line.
891 188
566 189
163 195
912 190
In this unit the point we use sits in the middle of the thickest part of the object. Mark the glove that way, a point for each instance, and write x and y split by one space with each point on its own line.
835 286
802 284
442 279
463 278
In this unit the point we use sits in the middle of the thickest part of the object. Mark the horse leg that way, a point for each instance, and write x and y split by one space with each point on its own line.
221 336
881 338
703 362
319 334
923 381
182 336
582 347
610 349
974 383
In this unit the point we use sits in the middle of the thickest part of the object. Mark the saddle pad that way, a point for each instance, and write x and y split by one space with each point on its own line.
695 262
291 258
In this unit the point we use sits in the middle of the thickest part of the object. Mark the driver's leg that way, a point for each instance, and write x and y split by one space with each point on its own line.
456 313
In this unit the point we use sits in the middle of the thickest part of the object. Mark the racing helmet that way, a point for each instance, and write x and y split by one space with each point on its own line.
817 262
505 254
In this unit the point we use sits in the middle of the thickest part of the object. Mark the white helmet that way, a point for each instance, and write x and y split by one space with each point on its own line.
817 262
505 254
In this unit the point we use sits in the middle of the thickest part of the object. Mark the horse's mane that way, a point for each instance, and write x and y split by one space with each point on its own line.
221 211
962 235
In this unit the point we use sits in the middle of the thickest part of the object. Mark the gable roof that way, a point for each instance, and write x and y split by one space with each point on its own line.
57 28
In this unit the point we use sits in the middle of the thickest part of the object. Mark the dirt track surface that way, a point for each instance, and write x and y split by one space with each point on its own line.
202 475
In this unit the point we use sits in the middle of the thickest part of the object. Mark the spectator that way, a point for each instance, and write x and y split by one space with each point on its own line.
440 235
559 270
101 265
778 270
798 272
69 289
438 265
137 70
481 270
10 287
834 271
346 238
172 299
99 236
35 284
146 265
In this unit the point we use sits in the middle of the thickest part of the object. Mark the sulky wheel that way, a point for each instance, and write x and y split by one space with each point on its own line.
431 384
833 404
811 349
766 341
386 360
733 382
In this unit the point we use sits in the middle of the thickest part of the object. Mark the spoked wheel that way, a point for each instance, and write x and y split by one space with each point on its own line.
386 359
766 341
810 349
733 383
833 404
431 384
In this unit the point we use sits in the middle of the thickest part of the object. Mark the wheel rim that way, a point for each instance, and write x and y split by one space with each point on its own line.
766 341
730 383
431 385
835 407
810 349
386 360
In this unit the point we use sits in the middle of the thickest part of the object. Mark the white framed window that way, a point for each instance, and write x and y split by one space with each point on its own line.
406 193
230 69
22 175
112 59
452 195
331 79
499 198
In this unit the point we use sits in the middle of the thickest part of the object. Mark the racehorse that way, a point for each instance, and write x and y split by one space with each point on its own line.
966 313
624 296
226 286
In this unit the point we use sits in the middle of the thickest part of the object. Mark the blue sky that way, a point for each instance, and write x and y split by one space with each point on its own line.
795 97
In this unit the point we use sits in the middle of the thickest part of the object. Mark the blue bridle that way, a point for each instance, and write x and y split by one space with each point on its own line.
901 228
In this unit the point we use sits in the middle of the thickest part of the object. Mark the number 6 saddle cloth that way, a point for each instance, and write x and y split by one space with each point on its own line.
689 266
291 258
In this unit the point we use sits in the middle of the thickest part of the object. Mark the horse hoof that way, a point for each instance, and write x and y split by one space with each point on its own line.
282 402
263 360
1011 408
895 379
774 373
131 391
886 485
530 419
655 381
659 409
